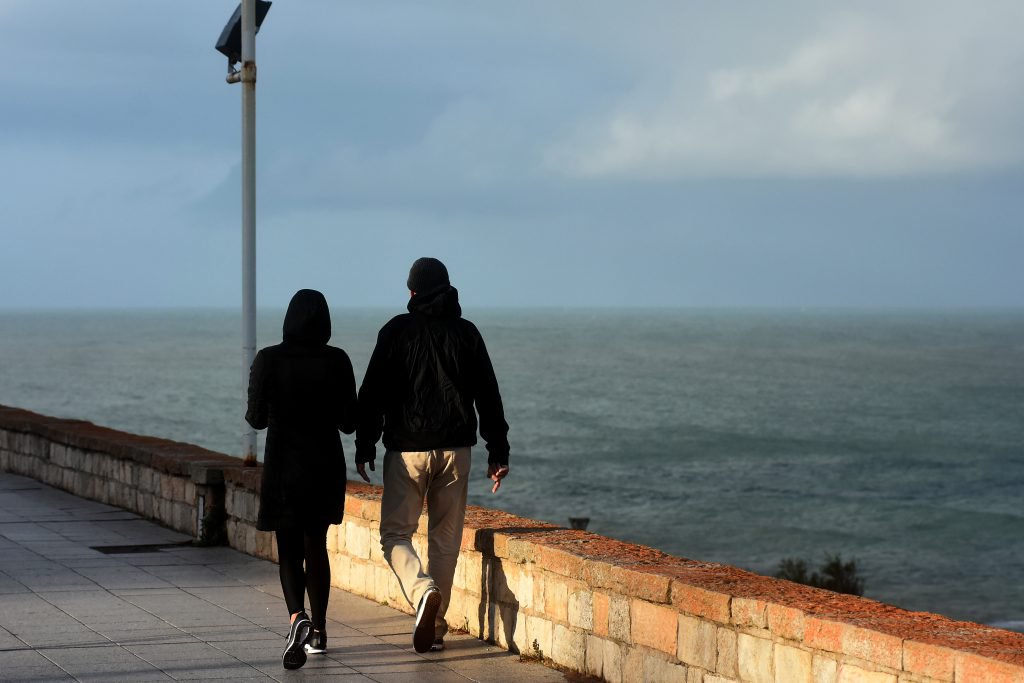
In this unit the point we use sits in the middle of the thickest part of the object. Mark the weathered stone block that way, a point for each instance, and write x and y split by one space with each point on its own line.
581 609
697 642
654 626
848 673
504 582
556 597
357 540
539 577
872 646
822 634
338 531
971 667
525 592
754 657
749 612
632 664
370 582
539 632
618 619
792 665
612 663
727 661
381 582
932 661
340 568
521 550
505 622
520 636
357 577
660 669
594 661
376 550
824 669
559 561
185 520
700 602
785 622
568 647
250 539
473 568
264 539
58 454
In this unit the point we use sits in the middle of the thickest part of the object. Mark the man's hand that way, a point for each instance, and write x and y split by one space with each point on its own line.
361 469
496 473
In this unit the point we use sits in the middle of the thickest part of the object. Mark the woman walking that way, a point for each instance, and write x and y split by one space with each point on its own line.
303 391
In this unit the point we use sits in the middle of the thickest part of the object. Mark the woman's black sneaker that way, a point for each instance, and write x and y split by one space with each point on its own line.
298 635
317 644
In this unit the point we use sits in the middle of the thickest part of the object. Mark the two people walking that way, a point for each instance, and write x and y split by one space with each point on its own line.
426 382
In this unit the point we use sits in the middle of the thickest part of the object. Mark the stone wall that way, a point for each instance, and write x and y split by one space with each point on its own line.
156 478
614 610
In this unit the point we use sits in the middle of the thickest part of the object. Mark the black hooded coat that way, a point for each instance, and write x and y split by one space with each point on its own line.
428 372
303 391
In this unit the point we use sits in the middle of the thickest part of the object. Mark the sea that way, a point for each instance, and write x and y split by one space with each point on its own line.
894 438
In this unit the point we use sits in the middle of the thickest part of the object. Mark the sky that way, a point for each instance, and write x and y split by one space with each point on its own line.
796 153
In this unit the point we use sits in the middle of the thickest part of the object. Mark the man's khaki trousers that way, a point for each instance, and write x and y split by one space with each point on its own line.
441 477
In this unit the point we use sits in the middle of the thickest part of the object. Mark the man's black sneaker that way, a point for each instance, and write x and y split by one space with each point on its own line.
437 645
423 635
298 635
317 644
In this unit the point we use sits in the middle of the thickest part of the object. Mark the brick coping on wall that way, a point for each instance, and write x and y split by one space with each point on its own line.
820 620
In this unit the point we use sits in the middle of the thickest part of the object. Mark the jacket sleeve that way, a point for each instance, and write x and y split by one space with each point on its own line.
493 427
371 403
256 413
348 415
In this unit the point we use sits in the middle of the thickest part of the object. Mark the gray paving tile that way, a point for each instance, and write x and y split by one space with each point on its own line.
235 634
47 638
9 641
199 671
28 531
109 663
28 665
123 577
129 592
99 561
508 668
188 575
184 651
143 636
421 676
159 559
10 585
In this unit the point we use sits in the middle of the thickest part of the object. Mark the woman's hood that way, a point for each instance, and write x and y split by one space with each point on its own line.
308 320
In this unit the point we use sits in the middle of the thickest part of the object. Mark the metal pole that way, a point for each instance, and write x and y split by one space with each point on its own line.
248 79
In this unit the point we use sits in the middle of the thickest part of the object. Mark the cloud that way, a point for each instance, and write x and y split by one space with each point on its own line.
883 93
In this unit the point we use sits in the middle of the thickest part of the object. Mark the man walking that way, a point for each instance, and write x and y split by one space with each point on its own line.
429 370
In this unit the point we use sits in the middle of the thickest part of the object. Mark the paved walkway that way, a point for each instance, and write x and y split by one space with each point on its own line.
73 608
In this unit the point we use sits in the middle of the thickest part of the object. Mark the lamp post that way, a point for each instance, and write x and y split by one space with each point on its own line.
238 42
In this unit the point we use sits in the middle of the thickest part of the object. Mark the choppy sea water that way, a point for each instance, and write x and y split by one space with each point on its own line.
896 438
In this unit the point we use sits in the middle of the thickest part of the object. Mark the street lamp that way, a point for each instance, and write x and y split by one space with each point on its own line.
238 42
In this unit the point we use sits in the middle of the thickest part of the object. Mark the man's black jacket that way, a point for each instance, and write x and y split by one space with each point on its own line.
429 368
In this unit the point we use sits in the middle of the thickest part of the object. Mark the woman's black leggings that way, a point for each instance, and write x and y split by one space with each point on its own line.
294 545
